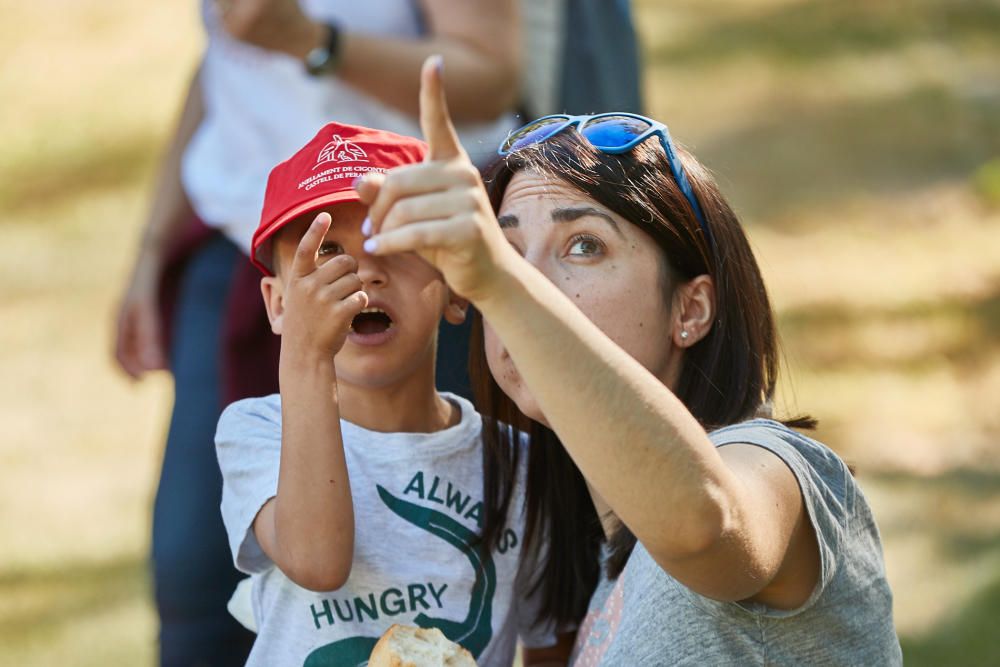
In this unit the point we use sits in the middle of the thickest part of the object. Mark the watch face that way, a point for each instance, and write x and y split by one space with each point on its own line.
317 59
323 58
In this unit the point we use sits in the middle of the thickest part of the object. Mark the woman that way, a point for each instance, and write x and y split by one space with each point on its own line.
626 319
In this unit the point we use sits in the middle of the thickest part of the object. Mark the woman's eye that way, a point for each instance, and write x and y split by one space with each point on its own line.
330 249
586 246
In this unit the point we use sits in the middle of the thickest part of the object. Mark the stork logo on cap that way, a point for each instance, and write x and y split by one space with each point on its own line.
341 150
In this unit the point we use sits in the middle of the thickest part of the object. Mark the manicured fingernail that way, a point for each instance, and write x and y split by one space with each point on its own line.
357 181
439 63
370 245
366 226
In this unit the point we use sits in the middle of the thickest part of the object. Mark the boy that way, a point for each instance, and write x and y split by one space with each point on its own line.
354 498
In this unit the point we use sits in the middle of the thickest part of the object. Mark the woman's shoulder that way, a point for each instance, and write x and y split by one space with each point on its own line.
781 440
824 477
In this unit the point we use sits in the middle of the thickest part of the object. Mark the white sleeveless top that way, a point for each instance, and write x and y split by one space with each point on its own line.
261 106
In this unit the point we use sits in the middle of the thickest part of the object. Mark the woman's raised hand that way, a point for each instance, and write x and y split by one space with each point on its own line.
439 208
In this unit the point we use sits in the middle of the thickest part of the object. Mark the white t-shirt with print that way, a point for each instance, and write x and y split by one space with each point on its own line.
417 506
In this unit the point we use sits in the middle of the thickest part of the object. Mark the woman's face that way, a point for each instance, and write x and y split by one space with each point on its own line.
608 267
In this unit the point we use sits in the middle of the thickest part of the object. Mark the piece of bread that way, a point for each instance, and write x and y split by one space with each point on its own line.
407 646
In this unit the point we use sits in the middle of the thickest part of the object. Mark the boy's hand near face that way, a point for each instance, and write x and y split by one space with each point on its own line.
320 298
307 529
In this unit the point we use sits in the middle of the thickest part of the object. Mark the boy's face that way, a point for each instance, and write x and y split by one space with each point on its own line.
395 338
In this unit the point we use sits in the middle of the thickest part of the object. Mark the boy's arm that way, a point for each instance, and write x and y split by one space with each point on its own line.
307 529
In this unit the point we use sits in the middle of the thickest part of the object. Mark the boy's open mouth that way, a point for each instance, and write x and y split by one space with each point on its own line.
371 321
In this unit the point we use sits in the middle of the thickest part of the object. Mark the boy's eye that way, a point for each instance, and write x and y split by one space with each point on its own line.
330 248
585 246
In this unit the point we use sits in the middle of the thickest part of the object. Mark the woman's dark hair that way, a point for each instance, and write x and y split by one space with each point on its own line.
726 377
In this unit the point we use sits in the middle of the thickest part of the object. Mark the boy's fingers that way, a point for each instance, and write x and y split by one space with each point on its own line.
354 303
304 262
343 287
335 268
435 123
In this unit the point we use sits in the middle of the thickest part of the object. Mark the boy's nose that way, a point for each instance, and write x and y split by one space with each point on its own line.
371 270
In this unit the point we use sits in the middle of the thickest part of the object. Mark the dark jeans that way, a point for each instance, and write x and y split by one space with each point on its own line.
193 571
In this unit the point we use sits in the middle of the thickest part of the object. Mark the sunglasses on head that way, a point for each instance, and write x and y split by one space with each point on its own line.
612 133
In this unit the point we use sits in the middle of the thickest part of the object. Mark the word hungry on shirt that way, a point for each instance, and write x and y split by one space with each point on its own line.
390 602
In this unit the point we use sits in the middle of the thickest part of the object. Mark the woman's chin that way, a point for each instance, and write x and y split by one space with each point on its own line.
510 384
527 405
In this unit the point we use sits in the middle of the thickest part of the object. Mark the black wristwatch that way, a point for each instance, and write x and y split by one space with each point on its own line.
324 58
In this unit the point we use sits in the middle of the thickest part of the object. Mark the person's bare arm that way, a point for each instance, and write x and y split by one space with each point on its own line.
307 529
479 39
730 525
138 347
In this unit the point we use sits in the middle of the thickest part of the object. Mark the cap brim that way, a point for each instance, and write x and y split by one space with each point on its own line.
341 197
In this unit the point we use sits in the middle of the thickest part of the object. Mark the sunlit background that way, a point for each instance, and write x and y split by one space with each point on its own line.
859 140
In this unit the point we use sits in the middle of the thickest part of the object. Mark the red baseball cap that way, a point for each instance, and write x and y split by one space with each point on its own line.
323 172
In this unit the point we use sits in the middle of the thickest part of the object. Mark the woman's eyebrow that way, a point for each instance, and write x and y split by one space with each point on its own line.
508 221
571 214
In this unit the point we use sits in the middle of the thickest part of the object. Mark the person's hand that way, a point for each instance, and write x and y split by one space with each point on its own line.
276 25
320 300
438 209
138 346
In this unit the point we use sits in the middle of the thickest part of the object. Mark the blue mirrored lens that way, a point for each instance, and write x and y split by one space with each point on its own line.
613 131
532 133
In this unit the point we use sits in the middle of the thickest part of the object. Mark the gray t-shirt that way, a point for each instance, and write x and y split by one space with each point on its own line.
646 617
417 506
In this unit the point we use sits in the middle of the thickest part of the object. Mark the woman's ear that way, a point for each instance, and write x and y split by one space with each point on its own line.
456 309
272 289
694 310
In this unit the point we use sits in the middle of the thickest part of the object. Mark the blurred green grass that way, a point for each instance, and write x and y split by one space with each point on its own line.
78 614
855 138
804 33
